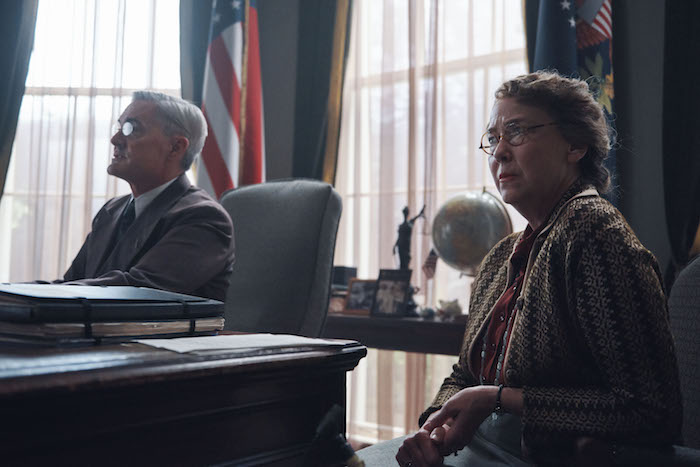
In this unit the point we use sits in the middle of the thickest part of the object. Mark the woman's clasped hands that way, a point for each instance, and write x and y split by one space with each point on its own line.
448 429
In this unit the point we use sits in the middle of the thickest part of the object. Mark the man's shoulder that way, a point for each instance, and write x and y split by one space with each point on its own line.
197 202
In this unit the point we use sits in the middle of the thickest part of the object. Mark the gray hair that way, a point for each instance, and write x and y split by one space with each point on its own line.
179 117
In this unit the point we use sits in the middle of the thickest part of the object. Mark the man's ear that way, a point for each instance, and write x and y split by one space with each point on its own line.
179 145
576 153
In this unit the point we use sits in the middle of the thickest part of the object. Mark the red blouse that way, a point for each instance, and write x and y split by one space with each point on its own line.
502 313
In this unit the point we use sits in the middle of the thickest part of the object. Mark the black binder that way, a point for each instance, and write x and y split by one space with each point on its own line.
62 313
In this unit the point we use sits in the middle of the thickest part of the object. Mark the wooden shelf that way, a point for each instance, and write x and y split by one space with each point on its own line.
406 334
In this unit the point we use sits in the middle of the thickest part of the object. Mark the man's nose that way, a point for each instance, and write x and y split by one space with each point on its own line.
118 138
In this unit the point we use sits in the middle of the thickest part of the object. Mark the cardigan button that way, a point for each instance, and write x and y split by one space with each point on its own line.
510 375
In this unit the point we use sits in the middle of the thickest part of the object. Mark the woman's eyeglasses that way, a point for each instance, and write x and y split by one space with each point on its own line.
513 134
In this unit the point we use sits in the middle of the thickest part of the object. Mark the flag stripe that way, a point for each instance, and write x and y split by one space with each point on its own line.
252 162
227 80
233 41
223 132
603 20
216 168
602 29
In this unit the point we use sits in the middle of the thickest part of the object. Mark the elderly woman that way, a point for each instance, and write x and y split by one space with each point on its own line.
568 336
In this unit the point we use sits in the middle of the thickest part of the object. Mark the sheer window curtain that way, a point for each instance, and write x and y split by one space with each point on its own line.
89 56
419 88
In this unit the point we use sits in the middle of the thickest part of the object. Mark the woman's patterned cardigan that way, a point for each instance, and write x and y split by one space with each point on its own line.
591 345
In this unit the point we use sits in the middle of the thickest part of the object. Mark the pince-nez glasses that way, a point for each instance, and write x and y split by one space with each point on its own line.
126 128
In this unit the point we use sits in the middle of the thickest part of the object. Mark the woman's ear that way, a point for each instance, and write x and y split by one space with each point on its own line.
576 153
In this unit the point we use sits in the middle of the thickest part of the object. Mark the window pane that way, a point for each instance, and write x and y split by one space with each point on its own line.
88 57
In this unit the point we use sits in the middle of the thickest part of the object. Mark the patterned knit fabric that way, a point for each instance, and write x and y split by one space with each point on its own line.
591 345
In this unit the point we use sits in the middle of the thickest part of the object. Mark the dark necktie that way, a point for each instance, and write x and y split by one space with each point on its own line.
127 218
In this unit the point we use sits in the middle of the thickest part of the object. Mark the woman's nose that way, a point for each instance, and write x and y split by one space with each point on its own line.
502 150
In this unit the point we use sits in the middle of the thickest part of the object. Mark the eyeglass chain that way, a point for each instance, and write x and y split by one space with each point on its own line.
502 353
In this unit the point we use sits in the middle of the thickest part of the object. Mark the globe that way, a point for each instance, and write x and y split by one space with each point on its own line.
467 226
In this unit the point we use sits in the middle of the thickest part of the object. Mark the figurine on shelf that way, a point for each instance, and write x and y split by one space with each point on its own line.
403 242
449 310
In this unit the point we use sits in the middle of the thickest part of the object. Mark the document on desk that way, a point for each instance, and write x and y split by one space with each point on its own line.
241 342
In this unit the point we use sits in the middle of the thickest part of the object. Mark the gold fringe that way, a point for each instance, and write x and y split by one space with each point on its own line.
335 91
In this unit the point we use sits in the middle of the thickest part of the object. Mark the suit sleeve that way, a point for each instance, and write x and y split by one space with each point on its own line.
192 251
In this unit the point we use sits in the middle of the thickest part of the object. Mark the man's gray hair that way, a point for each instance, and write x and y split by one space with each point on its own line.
179 117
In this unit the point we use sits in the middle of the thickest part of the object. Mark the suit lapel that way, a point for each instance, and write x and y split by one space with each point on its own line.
126 248
101 242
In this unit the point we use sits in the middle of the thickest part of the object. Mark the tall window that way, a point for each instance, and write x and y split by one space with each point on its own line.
88 57
418 92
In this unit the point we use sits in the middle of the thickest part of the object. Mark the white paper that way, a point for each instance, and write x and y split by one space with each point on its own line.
237 342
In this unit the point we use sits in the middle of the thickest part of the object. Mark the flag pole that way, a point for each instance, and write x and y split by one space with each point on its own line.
244 94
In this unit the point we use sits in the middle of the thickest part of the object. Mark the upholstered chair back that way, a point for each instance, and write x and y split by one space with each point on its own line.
684 311
285 235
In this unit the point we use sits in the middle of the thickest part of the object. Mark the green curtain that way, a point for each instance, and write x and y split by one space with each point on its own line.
195 16
324 32
17 24
681 131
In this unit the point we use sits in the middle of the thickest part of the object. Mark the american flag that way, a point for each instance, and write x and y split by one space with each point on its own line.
234 152
599 15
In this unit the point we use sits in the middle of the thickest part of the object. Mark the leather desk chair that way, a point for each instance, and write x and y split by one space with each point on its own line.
285 233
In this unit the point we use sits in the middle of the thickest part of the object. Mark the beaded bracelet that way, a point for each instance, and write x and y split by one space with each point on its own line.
499 407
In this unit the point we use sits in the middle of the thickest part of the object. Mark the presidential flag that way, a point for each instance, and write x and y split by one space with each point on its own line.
575 38
234 153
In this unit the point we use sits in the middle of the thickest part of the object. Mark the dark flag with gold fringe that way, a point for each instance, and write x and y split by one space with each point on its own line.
574 37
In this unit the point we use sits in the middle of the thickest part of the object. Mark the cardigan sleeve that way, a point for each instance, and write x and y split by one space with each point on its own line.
615 294
487 286
459 379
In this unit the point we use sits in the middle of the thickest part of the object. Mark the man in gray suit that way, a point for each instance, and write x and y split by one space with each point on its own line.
167 234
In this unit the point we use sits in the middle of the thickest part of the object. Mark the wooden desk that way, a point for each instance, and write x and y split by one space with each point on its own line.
131 404
407 334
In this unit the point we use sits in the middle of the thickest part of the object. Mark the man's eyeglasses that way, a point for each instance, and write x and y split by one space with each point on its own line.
126 129
513 134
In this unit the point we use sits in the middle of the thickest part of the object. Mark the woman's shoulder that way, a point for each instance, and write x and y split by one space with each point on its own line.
591 213
594 222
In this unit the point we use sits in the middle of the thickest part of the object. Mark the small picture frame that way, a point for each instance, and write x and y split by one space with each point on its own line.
392 293
360 296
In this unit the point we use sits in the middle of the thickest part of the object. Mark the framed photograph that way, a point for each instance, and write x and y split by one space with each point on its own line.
392 292
360 296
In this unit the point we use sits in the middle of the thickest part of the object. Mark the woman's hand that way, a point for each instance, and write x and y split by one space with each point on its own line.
419 450
423 448
453 426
